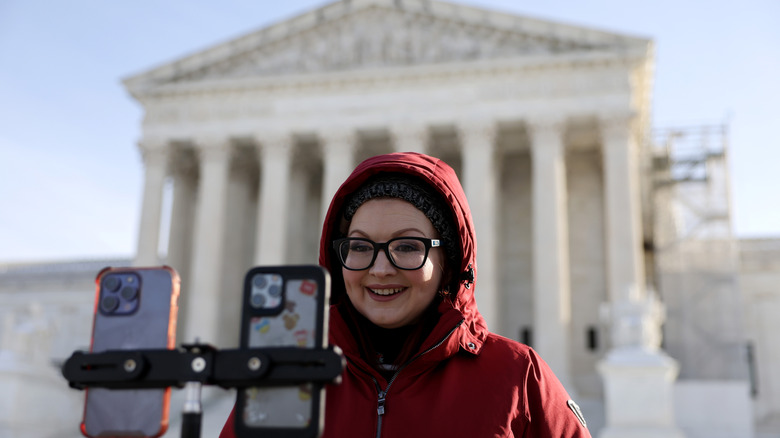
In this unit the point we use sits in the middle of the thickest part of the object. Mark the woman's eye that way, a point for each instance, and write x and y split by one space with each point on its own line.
407 247
360 247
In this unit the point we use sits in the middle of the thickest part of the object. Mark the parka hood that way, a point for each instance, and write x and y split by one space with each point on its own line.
442 178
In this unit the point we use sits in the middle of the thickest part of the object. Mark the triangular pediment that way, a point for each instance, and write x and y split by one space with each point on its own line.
359 34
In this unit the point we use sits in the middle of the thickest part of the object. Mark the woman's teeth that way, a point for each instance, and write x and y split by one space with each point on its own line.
386 292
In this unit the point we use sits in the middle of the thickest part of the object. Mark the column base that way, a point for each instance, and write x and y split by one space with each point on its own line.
640 432
639 397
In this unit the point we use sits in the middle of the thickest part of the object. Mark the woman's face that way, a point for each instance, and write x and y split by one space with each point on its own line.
391 297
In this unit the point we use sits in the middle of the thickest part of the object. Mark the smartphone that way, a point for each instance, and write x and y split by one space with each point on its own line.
283 306
135 309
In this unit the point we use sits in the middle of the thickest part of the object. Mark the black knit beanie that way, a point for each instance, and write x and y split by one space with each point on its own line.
417 193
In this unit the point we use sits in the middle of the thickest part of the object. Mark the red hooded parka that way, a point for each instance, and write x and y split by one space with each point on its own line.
464 381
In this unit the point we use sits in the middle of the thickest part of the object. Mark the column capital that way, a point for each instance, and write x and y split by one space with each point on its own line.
409 129
546 134
342 140
154 151
153 143
617 122
183 161
274 140
211 149
274 147
485 129
211 141
537 124
410 137
618 116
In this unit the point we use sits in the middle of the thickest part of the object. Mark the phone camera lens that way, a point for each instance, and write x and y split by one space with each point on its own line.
257 300
109 303
275 290
112 284
260 281
129 293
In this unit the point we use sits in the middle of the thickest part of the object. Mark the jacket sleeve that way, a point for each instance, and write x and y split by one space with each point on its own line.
549 409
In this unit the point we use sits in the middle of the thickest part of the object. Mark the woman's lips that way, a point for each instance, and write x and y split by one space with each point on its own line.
385 293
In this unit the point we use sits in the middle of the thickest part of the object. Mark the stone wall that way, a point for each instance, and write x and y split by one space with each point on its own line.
760 282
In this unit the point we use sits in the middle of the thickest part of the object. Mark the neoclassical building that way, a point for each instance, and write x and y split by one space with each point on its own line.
583 246
542 121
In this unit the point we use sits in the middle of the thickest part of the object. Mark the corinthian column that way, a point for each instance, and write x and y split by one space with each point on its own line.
552 293
203 296
155 156
625 272
184 170
479 175
274 191
338 149
638 376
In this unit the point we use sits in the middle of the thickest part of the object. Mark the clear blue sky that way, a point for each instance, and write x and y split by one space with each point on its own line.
71 175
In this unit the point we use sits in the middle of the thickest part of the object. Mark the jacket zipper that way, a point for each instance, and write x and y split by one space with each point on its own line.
382 395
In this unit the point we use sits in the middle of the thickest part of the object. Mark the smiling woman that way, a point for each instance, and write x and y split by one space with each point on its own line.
399 243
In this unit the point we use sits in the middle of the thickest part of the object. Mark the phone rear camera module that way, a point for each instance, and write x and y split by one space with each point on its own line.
129 293
266 292
112 283
120 293
109 303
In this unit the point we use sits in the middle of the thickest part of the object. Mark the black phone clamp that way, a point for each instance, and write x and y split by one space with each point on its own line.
201 364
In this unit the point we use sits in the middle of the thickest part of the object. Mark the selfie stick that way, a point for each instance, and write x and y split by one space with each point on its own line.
200 364
192 411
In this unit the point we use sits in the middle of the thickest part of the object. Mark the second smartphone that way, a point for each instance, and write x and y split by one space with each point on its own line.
283 306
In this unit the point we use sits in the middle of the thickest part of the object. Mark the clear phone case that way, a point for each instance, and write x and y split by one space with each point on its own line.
283 307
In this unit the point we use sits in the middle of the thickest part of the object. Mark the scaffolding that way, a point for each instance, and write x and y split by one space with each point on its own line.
695 254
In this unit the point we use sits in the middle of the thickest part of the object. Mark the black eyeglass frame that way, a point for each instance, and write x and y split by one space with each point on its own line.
428 243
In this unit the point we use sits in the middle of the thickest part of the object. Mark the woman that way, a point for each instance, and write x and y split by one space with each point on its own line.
399 242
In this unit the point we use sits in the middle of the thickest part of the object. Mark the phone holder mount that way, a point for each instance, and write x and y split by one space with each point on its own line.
198 364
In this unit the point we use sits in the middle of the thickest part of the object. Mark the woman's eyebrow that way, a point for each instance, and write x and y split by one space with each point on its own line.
396 233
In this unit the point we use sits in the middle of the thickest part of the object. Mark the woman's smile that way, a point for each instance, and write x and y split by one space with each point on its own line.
386 292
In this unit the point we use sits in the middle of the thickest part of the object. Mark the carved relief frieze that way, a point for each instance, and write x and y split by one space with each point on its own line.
378 37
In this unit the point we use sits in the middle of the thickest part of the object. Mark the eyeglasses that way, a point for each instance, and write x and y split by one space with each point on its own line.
407 253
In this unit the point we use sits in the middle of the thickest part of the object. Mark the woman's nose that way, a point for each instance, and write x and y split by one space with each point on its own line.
382 265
